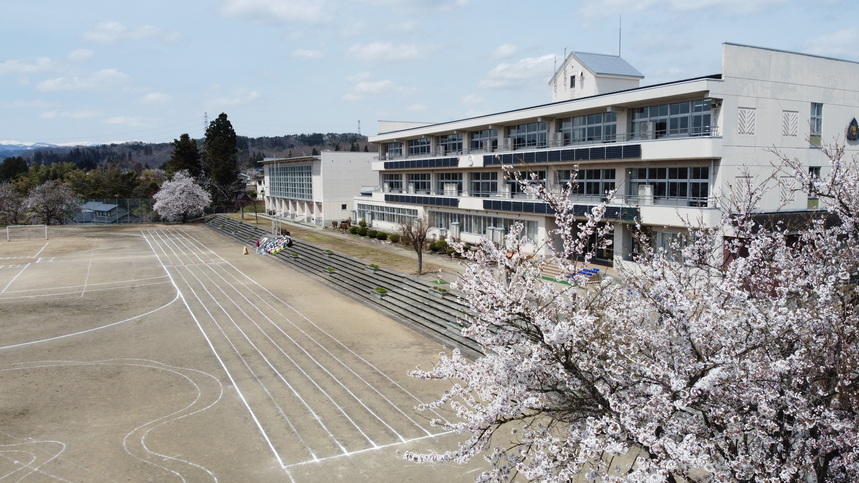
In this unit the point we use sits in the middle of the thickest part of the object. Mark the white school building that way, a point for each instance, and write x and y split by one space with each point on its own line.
672 151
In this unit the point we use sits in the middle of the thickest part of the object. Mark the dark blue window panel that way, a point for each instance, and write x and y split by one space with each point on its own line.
568 155
541 157
597 153
517 206
613 152
506 206
553 156
632 151
582 154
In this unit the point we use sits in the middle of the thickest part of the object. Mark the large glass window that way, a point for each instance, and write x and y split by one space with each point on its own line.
393 182
418 147
390 214
291 181
394 150
483 184
687 118
485 140
599 127
516 188
478 224
529 135
691 185
449 184
452 143
589 182
419 183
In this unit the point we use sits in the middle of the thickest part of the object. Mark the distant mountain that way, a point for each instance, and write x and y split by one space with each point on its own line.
9 149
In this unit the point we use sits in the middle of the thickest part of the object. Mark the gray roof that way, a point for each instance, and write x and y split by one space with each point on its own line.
601 64
98 206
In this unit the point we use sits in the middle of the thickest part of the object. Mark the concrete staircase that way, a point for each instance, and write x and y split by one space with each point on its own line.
408 299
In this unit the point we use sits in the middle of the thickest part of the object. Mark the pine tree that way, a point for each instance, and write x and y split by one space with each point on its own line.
220 158
185 156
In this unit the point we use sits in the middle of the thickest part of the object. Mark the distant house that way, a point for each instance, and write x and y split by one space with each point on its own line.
101 213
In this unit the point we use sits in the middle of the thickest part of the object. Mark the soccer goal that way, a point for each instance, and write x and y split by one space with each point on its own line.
26 232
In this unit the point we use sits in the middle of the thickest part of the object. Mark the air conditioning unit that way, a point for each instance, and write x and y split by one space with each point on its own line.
453 230
450 189
558 139
386 187
411 188
439 150
645 130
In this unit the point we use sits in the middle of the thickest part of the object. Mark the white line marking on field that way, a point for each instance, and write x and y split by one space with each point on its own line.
40 251
88 268
13 279
221 361
93 329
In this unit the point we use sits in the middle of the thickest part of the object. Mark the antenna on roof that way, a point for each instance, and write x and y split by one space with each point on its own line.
205 123
619 30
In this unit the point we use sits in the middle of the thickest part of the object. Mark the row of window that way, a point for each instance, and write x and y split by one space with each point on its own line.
687 118
290 181
479 224
389 214
678 183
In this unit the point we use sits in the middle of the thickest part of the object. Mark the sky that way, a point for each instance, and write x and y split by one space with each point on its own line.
93 71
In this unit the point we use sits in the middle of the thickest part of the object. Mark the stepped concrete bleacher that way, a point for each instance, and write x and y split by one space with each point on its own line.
408 299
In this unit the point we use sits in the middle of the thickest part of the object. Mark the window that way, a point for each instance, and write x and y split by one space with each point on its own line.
681 184
485 140
478 224
572 82
687 118
599 127
393 183
419 183
516 188
452 143
484 184
390 214
449 184
589 182
394 150
418 147
530 135
291 181
816 123
344 207
789 123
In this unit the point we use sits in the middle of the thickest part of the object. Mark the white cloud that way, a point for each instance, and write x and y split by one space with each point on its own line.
526 73
440 5
471 100
155 98
293 11
364 86
384 52
237 97
78 55
20 66
111 32
611 8
307 54
130 121
103 79
503 51
84 114
841 43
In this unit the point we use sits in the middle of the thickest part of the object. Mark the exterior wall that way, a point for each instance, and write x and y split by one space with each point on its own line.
335 178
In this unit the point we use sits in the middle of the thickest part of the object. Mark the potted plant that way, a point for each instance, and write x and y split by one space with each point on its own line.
329 252
372 267
330 270
438 291
294 256
381 292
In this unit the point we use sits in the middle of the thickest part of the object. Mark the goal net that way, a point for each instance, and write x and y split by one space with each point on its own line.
26 232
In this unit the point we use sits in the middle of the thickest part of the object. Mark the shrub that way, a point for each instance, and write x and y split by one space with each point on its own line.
353 230
362 231
382 236
381 290
395 238
438 246
372 233
362 224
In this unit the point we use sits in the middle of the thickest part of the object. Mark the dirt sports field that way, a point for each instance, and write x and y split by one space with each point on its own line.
161 353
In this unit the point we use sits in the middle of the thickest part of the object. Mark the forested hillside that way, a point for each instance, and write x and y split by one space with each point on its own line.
251 150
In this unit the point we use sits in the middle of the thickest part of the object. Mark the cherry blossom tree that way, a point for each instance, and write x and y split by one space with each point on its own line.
731 356
181 197
52 203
